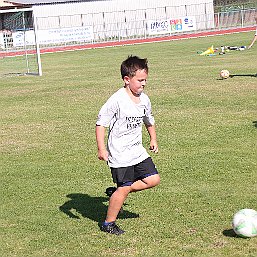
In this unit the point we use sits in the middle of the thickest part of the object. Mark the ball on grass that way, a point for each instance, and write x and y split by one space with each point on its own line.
245 223
224 74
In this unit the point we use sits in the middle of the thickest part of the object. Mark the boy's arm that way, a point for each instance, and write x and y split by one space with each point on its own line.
153 138
100 136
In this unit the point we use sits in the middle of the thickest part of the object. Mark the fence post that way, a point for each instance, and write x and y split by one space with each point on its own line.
242 18
35 25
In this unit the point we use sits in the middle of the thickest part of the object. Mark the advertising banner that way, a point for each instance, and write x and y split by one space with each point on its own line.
54 36
20 37
182 24
187 23
1 41
65 35
158 27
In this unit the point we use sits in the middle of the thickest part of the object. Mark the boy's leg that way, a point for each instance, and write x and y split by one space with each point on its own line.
120 195
148 182
116 201
115 204
123 176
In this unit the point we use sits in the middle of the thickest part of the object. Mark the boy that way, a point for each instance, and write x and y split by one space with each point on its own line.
255 36
124 113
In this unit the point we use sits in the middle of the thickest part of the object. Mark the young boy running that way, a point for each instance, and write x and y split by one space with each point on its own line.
255 36
124 113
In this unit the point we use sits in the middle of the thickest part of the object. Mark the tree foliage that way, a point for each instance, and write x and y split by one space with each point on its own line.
231 2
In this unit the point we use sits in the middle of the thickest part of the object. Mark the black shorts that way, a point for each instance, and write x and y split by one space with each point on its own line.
126 176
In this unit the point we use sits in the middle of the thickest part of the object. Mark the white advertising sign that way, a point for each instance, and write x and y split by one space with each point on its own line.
158 27
20 37
171 25
2 41
53 36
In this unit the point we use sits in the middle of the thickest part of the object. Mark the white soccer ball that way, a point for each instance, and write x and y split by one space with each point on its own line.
224 74
245 223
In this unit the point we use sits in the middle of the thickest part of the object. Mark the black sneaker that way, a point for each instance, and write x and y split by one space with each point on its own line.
112 228
110 190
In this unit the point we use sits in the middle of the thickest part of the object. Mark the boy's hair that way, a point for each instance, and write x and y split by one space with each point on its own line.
131 65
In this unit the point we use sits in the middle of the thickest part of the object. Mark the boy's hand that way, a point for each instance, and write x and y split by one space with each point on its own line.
154 147
102 154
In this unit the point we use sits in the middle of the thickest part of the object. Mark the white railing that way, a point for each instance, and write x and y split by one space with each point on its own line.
106 31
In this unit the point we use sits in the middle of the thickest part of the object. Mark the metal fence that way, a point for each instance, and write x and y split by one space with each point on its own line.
110 30
129 24
110 27
235 19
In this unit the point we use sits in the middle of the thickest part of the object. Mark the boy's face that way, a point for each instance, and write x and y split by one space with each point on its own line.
137 83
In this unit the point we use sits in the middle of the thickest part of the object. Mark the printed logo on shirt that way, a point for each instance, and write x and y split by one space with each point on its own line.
134 122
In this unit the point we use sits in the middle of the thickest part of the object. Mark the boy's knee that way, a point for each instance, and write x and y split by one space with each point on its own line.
157 179
124 190
154 180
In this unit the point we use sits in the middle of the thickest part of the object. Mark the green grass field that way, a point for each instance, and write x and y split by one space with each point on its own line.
52 184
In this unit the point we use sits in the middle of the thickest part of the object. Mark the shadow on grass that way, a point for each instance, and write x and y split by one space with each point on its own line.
243 75
255 123
90 207
231 233
239 75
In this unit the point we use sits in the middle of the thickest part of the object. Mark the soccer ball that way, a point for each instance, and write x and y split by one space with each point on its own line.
224 74
245 223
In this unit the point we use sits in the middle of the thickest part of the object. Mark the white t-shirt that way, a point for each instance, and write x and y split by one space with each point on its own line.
124 119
